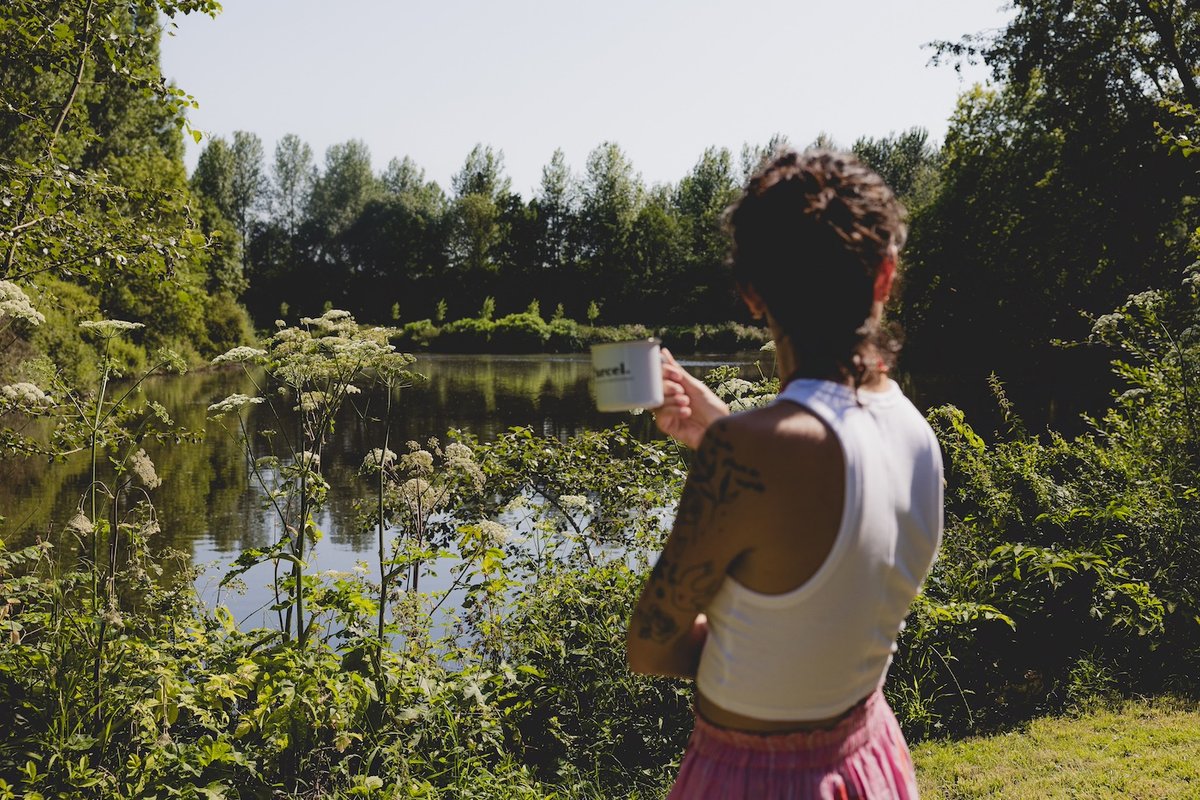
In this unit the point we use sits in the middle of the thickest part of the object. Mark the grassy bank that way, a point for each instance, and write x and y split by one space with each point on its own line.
1145 749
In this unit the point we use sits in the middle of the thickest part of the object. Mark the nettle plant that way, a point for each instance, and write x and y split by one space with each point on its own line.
313 369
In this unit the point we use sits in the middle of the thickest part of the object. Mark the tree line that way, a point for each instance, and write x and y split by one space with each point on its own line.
396 246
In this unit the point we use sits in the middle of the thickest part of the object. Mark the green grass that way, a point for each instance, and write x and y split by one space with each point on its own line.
1145 749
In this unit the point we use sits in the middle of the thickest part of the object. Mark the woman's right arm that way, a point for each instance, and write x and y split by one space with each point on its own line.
689 407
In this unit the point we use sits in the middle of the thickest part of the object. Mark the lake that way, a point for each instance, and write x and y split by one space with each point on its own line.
211 509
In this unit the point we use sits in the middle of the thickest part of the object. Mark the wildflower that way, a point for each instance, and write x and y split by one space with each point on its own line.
25 394
110 327
310 460
1106 326
143 468
231 403
516 505
311 401
352 389
419 462
379 457
15 303
735 387
151 527
457 451
746 403
574 502
417 494
769 347
240 355
492 534
80 524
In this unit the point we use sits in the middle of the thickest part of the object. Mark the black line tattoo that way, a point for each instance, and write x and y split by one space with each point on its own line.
716 479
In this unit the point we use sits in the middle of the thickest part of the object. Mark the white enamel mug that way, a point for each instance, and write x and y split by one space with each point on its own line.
627 375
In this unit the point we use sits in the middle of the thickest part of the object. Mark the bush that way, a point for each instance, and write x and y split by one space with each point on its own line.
726 337
566 336
469 335
520 333
416 335
227 325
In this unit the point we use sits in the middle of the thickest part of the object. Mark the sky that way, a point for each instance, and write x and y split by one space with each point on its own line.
664 79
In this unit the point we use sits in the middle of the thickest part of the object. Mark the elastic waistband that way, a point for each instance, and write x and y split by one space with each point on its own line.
808 748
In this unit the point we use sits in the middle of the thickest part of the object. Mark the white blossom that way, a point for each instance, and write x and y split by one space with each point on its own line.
492 534
232 403
110 327
15 303
239 355
25 394
736 387
143 468
419 462
311 401
379 457
309 459
574 502
80 524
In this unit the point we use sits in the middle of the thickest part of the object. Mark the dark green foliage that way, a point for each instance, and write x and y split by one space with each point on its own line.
520 333
94 192
1056 195
1069 567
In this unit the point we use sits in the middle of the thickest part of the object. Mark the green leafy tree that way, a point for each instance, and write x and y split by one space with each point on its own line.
1056 196
94 192
610 197
344 188
701 198
292 177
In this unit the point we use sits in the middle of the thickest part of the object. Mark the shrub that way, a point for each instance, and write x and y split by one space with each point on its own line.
566 336
469 335
416 335
520 333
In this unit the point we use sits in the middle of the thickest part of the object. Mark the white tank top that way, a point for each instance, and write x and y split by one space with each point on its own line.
813 652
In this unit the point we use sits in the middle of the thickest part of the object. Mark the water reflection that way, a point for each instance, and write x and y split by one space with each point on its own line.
212 506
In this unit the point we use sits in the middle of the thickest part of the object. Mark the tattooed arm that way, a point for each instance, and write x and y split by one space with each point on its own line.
667 631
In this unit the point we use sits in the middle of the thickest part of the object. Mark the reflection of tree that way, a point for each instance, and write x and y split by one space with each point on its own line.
208 503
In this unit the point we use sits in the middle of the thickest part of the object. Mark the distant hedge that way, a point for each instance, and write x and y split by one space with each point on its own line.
527 332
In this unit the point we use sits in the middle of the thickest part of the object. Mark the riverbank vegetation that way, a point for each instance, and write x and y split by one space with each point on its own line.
1067 575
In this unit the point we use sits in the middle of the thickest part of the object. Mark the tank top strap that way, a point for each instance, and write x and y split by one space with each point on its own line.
826 399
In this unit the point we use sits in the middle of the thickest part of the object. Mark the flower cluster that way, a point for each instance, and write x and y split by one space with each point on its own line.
492 534
232 403
109 327
15 303
25 394
143 468
378 458
240 355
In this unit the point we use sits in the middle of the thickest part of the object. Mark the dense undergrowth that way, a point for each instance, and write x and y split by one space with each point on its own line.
1067 574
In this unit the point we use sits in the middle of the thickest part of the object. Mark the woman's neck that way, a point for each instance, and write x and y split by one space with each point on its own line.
789 366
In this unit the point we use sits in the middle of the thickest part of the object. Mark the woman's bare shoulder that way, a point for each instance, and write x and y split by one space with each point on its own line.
778 425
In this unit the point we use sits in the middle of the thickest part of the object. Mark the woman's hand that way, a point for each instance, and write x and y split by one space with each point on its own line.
689 406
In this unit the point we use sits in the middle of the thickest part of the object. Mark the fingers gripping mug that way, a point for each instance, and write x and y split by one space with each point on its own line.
628 375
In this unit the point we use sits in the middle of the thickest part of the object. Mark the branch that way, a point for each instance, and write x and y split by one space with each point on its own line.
62 118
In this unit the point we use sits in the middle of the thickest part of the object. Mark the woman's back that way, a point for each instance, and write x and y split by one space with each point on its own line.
805 623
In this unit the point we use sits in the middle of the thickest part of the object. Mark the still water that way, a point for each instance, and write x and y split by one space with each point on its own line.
210 507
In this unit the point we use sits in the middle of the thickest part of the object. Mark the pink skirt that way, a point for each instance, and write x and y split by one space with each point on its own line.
863 757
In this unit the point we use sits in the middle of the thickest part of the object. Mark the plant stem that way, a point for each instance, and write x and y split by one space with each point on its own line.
383 568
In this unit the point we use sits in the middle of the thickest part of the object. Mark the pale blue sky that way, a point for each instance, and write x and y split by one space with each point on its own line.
663 78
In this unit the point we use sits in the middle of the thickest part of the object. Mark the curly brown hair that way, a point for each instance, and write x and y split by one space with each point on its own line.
810 234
